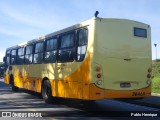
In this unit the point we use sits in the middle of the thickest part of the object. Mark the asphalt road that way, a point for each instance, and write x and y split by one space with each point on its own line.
28 105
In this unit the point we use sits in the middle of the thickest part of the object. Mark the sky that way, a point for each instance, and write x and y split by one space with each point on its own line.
24 20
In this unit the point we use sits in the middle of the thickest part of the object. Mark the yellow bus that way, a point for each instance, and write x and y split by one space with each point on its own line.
97 59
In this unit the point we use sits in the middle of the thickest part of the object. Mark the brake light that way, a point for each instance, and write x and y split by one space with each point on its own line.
98 68
99 75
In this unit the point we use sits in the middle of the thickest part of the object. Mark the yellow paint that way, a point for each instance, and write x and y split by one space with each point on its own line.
6 78
99 93
68 87
127 93
72 86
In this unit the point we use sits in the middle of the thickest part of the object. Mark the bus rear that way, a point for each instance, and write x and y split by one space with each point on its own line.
122 58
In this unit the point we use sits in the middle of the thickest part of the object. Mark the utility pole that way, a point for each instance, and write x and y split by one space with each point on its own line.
156 70
156 50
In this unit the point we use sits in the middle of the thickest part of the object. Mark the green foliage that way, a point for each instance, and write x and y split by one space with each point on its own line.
156 85
156 77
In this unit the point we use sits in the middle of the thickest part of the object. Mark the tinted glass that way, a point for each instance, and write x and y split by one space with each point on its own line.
140 32
82 37
29 49
50 56
39 47
51 44
66 55
82 44
28 59
38 58
20 60
8 52
13 52
20 51
67 40
13 57
8 57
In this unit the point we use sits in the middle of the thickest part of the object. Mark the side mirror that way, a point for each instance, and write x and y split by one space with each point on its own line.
4 59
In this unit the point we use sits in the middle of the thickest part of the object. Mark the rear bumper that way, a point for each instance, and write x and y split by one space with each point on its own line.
99 93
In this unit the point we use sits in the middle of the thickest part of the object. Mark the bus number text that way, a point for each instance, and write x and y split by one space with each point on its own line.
138 94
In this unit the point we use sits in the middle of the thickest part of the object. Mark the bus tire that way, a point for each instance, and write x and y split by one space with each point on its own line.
14 88
47 91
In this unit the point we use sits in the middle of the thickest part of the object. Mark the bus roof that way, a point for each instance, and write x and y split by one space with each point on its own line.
82 24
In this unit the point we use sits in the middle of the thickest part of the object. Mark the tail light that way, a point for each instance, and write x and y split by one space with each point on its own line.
99 75
98 68
148 82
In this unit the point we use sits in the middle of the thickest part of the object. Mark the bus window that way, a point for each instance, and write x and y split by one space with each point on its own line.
51 50
20 56
28 54
13 57
38 53
67 41
7 61
67 50
140 32
82 44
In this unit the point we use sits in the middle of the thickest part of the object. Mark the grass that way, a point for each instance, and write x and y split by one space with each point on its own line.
156 85
156 77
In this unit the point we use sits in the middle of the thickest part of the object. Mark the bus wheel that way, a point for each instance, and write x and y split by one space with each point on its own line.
46 91
14 88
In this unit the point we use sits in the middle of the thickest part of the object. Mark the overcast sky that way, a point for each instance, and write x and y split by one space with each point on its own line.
23 20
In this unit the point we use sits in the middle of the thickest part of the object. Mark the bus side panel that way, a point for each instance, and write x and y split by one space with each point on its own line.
23 78
73 86
6 77
18 73
61 88
29 83
68 89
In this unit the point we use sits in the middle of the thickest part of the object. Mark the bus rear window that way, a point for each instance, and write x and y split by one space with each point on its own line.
140 32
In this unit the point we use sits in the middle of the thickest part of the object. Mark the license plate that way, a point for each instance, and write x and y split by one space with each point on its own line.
125 85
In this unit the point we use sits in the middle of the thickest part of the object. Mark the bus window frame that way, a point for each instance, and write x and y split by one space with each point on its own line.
137 31
36 53
77 44
23 55
8 55
29 54
13 57
71 50
55 50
